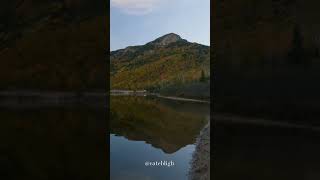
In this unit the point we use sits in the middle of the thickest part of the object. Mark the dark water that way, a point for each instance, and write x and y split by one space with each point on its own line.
53 143
253 152
149 129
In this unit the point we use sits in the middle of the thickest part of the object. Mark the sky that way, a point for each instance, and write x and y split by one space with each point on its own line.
136 22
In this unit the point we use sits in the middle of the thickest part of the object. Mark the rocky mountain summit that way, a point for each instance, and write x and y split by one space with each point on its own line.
167 39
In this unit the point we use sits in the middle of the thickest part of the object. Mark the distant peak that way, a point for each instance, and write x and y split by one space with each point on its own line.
171 35
167 39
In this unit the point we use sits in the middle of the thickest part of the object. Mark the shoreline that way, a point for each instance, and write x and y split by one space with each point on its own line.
25 99
200 163
31 98
183 99
144 93
234 119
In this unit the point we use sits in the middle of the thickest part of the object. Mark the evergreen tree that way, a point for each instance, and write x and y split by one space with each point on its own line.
203 76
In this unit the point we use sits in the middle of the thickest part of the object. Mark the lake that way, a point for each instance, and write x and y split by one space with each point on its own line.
70 143
45 142
149 130
260 152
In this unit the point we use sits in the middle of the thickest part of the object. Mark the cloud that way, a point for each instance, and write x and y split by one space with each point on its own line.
135 7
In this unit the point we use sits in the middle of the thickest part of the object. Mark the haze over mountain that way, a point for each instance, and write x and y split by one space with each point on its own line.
168 61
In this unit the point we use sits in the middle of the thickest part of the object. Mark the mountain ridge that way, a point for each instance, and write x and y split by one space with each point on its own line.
161 43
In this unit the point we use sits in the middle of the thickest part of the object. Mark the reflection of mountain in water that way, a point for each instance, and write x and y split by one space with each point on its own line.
141 119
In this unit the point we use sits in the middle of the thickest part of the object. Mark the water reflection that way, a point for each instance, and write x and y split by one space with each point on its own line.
245 151
128 161
53 143
151 129
168 128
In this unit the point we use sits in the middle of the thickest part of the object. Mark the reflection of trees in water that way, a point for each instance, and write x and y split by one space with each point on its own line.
157 124
247 151
55 144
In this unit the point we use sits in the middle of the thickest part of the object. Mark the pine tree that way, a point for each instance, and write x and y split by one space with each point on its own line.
203 76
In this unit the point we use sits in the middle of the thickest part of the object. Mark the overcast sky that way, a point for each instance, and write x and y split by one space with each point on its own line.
136 22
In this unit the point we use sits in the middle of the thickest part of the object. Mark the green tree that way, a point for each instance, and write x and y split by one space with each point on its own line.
203 76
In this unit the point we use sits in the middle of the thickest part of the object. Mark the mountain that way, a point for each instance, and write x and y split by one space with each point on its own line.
52 45
168 61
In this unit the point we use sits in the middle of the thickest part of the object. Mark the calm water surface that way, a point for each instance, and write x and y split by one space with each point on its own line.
53 143
256 152
150 129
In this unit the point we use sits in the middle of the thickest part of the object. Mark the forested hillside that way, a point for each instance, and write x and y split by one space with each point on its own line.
267 58
167 62
53 45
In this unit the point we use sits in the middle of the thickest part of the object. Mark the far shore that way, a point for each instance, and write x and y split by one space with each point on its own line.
183 99
40 98
145 93
47 92
28 98
234 119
